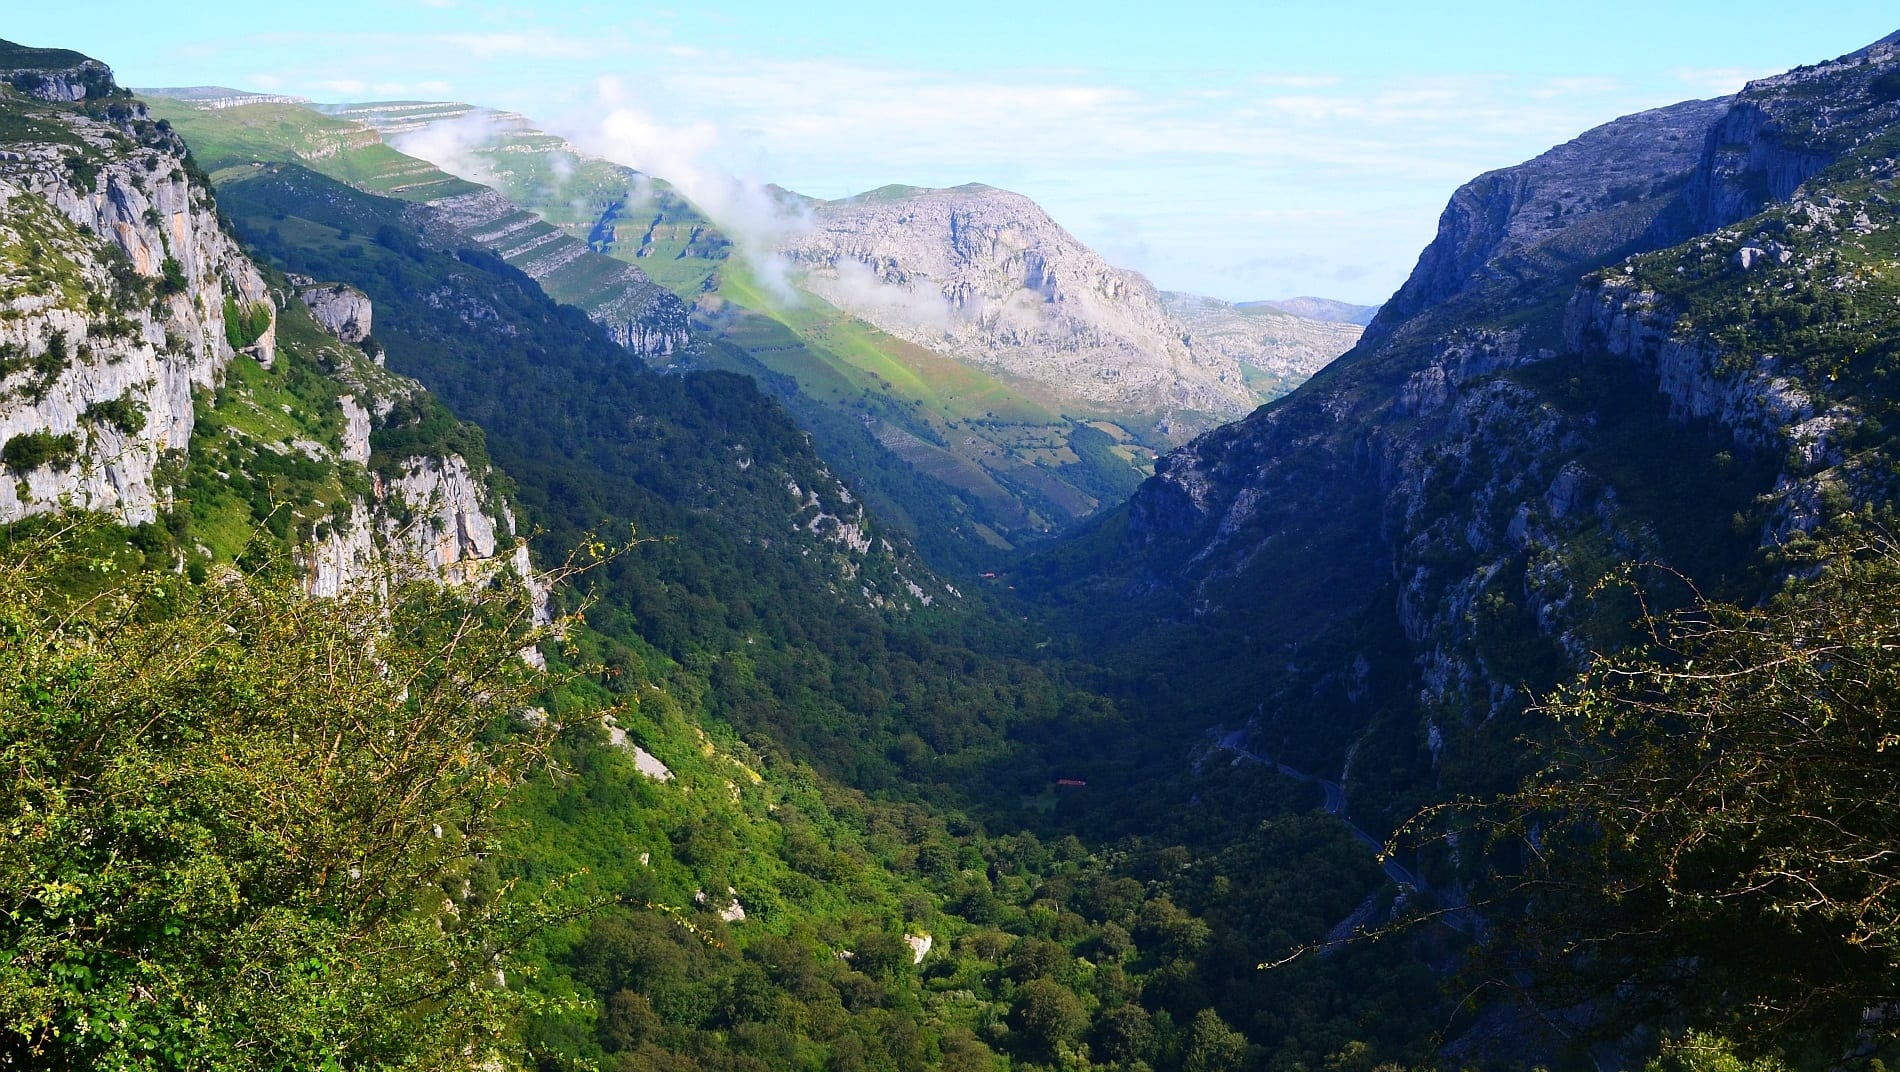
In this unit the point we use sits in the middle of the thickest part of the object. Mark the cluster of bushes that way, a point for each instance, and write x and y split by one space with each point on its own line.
24 453
245 323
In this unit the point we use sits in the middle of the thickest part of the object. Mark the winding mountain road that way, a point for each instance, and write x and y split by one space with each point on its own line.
1335 805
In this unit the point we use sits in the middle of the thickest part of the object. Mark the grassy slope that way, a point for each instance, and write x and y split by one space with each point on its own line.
1022 471
227 139
1006 460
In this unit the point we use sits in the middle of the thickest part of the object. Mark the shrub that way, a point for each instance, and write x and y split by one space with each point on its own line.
35 449
125 413
171 278
245 324
232 814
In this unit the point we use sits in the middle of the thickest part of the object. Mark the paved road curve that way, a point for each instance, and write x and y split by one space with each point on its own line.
1335 805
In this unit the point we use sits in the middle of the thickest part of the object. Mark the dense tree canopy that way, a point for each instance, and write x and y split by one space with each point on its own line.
238 826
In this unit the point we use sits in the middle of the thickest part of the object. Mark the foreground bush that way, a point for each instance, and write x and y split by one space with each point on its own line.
240 827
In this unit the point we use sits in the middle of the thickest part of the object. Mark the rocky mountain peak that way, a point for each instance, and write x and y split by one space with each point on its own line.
55 74
1576 203
984 275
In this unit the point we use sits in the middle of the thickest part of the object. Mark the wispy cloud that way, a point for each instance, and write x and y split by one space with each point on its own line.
698 160
1228 171
1717 81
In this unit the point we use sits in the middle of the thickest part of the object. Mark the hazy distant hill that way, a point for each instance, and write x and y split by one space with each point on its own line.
1320 309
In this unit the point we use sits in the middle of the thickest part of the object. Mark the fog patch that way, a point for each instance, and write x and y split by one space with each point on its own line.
757 218
859 288
454 145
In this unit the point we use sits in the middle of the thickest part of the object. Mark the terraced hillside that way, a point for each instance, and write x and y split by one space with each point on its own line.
228 133
956 457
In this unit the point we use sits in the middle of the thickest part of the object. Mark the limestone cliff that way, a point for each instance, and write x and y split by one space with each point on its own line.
984 275
123 307
115 301
1570 380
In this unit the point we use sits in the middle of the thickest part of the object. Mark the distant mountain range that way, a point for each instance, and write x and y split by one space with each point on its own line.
1319 309
982 375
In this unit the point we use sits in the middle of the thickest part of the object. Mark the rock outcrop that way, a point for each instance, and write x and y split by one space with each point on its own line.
343 310
985 276
54 74
1289 348
118 281
1783 130
435 518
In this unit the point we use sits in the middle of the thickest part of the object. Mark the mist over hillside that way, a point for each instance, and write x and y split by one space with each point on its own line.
472 602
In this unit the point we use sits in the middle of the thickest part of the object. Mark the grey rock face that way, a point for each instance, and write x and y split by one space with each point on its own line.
343 310
356 429
1781 131
1749 398
75 83
435 519
985 276
1288 346
1606 189
139 215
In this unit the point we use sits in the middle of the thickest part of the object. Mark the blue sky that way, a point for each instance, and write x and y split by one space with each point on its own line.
1240 150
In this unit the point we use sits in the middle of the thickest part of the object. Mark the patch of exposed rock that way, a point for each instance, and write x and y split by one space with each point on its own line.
1608 188
54 74
343 310
985 276
109 390
1290 348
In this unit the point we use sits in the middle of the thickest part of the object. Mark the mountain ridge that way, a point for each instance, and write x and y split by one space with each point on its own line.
1528 409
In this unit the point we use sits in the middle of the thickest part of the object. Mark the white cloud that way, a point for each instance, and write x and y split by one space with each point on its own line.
1295 81
863 290
697 159
1718 81
451 145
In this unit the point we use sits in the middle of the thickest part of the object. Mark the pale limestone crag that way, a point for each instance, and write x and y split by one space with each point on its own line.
143 213
343 310
985 276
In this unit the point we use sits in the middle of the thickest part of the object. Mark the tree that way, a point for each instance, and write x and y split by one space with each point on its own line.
1213 1046
1126 1034
1717 839
1048 1015
234 819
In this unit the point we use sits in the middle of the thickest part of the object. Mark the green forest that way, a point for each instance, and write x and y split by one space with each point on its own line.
760 782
